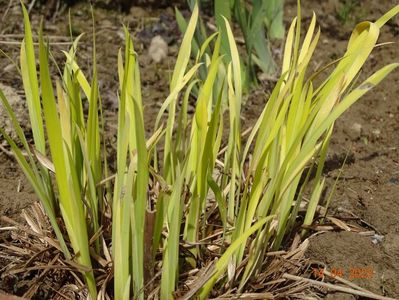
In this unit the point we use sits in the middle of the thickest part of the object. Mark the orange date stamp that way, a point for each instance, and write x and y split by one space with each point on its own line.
351 273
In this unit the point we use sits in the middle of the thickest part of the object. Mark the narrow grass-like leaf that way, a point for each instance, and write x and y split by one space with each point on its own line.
140 197
177 78
171 245
31 86
71 206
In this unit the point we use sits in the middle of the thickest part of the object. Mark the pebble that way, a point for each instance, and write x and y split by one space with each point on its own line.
138 12
158 49
376 239
376 132
354 131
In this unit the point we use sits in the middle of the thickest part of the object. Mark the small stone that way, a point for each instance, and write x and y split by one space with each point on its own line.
106 24
376 132
138 12
376 239
357 128
158 49
354 131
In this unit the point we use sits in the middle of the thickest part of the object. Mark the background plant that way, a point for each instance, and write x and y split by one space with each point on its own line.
347 9
259 21
254 188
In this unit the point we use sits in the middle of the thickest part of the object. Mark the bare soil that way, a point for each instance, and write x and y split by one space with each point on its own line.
367 193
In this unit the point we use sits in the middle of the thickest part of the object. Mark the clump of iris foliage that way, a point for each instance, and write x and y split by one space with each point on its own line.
254 188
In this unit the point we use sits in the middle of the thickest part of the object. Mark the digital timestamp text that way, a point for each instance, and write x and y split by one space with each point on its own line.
350 273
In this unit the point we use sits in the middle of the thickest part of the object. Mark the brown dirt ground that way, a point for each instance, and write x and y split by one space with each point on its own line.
369 184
